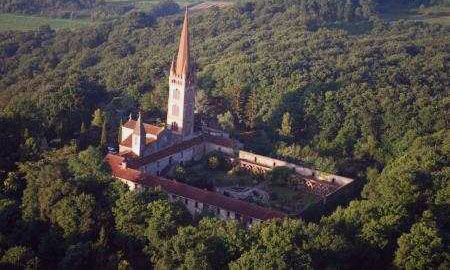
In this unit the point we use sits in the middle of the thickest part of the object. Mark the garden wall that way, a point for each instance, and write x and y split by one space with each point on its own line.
272 163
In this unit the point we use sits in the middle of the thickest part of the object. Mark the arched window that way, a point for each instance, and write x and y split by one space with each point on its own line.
175 110
176 93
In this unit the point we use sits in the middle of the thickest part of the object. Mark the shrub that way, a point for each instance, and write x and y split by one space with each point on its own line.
279 175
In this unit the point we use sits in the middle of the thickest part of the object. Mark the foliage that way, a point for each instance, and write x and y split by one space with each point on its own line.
350 93
279 175
98 118
226 121
423 247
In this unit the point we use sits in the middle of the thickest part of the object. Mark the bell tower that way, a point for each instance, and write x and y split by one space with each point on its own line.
138 137
180 110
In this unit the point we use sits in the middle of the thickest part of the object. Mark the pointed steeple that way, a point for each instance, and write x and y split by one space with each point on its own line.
182 65
139 127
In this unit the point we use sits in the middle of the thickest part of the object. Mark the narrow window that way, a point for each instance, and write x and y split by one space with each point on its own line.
186 201
176 93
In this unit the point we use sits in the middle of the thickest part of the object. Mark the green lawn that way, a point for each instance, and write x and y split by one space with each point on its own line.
221 178
25 22
439 15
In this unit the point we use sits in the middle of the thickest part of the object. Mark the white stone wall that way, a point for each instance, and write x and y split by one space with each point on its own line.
131 185
271 163
125 133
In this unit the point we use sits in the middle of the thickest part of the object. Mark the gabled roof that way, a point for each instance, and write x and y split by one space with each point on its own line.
129 140
212 198
207 197
173 149
166 152
118 171
149 129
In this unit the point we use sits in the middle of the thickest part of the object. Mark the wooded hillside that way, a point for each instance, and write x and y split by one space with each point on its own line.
321 83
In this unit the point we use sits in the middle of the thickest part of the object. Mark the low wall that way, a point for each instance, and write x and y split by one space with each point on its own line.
307 172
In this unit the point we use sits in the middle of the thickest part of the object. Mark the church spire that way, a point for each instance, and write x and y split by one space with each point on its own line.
139 127
182 65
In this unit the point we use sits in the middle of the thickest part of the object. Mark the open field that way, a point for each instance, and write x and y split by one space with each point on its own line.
196 5
439 15
24 22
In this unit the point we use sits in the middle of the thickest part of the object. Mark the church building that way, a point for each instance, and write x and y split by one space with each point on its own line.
147 151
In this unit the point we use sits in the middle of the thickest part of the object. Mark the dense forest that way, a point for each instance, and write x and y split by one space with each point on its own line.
323 83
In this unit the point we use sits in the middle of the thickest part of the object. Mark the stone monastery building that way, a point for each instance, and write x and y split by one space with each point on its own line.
146 151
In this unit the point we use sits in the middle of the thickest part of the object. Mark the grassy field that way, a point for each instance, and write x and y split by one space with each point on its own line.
439 15
24 22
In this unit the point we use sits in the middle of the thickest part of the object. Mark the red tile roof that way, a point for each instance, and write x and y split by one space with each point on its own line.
223 141
138 162
128 141
151 129
118 171
211 198
166 152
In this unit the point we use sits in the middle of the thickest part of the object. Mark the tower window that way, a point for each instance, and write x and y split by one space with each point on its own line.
176 93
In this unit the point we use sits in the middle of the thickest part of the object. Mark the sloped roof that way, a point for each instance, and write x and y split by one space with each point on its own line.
118 171
166 152
151 129
207 197
182 64
129 140
212 198
223 141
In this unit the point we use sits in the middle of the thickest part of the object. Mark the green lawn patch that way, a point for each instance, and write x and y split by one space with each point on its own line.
26 22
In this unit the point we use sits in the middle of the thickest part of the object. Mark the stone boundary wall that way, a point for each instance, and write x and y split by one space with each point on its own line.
344 192
307 172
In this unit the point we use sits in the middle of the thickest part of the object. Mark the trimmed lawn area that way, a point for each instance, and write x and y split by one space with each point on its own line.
25 22
289 200
221 178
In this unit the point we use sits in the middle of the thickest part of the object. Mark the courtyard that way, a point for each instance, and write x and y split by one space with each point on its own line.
277 189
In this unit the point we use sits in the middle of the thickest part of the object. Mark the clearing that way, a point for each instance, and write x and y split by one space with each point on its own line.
436 14
27 22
